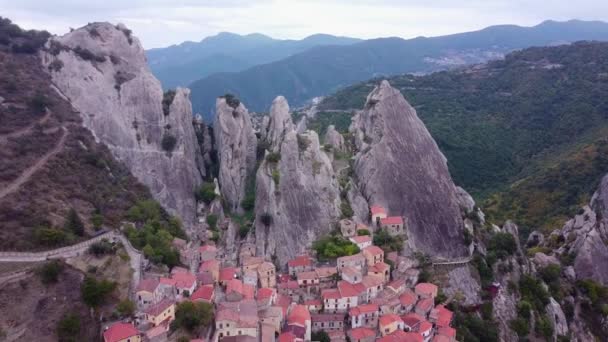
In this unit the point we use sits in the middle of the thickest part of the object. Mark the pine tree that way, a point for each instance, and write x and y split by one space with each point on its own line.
73 223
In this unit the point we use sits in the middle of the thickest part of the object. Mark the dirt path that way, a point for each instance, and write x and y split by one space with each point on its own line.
25 130
27 174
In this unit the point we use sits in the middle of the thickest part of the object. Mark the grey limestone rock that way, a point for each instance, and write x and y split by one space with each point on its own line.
297 198
107 79
236 145
334 138
399 166
558 319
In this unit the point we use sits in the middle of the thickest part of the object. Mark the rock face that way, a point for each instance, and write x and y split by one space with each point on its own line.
334 138
558 319
297 197
236 149
400 167
102 70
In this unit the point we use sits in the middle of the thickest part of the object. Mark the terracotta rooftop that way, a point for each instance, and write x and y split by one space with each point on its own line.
353 257
396 284
209 265
446 331
426 288
167 281
347 289
361 239
235 285
291 284
391 220
412 319
371 281
376 209
401 336
310 275
361 333
287 337
425 326
425 304
283 301
363 309
299 315
373 250
119 331
204 292
442 316
330 294
148 285
408 298
159 307
178 269
207 248
323 272
265 293
441 338
350 271
389 319
253 260
314 302
184 280
303 260
379 267
244 313
227 273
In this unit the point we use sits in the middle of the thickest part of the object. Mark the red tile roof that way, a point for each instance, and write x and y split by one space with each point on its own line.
389 319
235 285
119 331
291 284
330 294
203 293
184 280
376 209
391 220
310 275
283 301
303 260
363 309
425 304
379 267
178 269
209 265
347 289
396 284
159 307
265 293
314 302
412 319
287 337
426 288
407 298
446 331
361 239
148 285
401 336
299 315
167 281
373 250
441 338
207 248
361 333
227 273
444 316
371 281
425 326
283 278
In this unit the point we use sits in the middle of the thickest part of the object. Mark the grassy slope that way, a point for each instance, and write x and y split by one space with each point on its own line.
511 127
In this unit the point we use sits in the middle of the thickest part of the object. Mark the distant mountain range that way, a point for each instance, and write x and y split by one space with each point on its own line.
180 65
321 70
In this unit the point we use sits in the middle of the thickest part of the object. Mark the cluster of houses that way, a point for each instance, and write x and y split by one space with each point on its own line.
353 299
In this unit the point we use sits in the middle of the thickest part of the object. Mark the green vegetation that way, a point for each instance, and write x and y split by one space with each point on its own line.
212 221
51 237
303 142
168 98
95 292
469 327
126 308
522 132
273 157
169 142
243 231
361 232
320 336
68 328
190 315
387 242
341 121
102 247
533 292
347 210
154 232
87 55
73 223
276 176
502 245
333 246
50 271
206 192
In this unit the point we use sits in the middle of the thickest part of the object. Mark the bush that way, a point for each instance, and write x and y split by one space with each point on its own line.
169 142
126 308
39 102
50 271
320 336
347 210
206 193
520 326
533 291
243 231
191 315
387 242
544 327
361 232
68 328
331 247
73 223
273 157
102 247
276 177
95 292
303 142
212 221
232 100
50 236
503 244
524 310
266 219
87 55
97 221
168 98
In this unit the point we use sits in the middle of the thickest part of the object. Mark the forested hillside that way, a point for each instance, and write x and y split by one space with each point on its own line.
523 131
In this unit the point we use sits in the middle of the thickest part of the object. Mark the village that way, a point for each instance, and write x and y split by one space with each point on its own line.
356 298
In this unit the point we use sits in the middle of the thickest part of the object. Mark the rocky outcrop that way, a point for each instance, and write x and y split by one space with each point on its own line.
465 201
400 167
102 70
334 139
236 149
297 195
558 319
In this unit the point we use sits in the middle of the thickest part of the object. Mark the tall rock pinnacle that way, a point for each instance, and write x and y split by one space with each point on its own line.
400 167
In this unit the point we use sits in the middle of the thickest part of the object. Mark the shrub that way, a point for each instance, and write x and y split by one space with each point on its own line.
273 157
95 292
387 242
232 100
87 55
97 220
361 232
126 307
191 315
206 192
331 247
544 327
101 248
50 236
533 291
503 244
524 310
168 143
212 221
243 231
39 102
276 177
56 65
168 98
248 202
520 326
266 219
303 142
320 336
50 271
73 223
68 328
347 210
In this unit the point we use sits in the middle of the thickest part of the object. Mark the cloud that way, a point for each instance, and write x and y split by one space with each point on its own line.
164 22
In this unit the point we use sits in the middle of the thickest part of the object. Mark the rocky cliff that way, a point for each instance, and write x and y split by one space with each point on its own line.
102 70
400 167
297 195
236 147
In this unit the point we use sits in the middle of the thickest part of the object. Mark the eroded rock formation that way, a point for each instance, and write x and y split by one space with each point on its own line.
400 167
297 196
236 148
335 139
102 70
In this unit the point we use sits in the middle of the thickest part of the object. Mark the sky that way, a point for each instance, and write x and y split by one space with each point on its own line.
159 23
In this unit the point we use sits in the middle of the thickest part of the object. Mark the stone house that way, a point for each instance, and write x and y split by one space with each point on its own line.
390 323
408 302
205 293
362 241
212 267
373 255
251 263
302 263
148 292
161 312
377 213
352 275
362 335
237 319
299 319
356 261
426 290
327 276
393 225
267 275
121 332
424 307
365 315
327 322
381 270
272 315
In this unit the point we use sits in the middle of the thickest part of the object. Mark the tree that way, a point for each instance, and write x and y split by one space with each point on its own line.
50 271
126 307
320 336
73 223
503 244
212 221
94 292
206 192
50 236
68 328
190 315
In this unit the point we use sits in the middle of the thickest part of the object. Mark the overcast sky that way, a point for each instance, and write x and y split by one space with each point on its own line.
164 22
